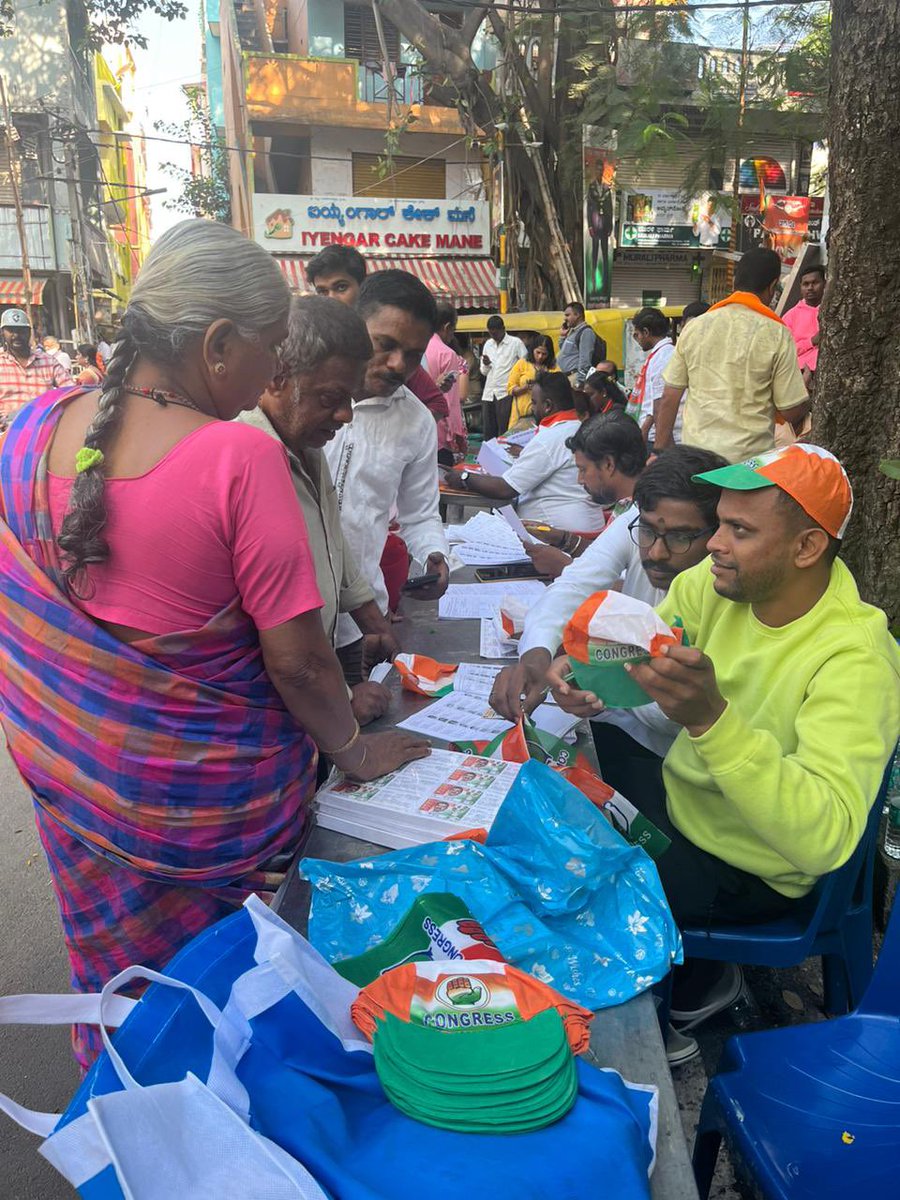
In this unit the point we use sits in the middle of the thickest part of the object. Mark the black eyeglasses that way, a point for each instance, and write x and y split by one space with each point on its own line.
676 541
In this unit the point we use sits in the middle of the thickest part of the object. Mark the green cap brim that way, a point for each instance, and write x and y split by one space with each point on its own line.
738 477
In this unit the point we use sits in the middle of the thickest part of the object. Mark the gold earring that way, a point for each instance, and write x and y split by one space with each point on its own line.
219 368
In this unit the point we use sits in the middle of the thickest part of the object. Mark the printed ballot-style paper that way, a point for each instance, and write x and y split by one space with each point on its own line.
429 799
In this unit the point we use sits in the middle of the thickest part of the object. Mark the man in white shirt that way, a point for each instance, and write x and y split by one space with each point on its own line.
651 330
663 533
545 481
384 464
500 353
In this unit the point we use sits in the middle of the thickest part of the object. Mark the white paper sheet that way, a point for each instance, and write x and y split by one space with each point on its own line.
463 601
521 437
492 645
493 459
457 717
380 672
514 521
475 679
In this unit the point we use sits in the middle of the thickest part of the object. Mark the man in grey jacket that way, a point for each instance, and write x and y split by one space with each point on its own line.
577 345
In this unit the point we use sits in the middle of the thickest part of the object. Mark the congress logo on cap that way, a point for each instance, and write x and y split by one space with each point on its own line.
808 474
462 991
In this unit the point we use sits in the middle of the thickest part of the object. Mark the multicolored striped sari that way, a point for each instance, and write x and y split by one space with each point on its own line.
166 773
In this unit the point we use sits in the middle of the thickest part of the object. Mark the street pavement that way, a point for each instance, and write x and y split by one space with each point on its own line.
36 1064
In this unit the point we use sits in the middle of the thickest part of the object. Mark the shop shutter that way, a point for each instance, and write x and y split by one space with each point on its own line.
630 281
410 177
361 36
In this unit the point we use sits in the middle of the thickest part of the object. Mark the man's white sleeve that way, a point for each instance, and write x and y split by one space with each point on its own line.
418 497
599 567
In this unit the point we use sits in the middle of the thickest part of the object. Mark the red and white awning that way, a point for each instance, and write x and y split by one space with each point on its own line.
12 291
465 282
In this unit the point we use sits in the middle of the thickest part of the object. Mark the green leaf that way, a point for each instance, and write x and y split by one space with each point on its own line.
890 467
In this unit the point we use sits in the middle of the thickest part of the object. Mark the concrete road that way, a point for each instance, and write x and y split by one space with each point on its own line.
36 1065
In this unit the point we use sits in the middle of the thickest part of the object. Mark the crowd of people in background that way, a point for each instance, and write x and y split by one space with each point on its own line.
261 476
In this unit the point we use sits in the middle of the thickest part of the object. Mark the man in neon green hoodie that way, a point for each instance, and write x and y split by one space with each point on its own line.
789 701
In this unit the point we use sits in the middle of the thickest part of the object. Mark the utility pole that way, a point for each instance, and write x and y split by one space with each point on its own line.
12 158
503 264
80 266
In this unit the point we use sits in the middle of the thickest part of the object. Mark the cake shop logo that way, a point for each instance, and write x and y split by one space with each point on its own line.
280 225
462 991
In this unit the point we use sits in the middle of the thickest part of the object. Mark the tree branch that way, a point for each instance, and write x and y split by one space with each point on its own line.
472 23
532 96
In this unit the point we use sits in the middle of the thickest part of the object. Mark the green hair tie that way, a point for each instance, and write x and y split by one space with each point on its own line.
86 458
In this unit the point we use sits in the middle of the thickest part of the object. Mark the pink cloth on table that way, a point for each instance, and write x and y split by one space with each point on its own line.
452 433
803 322
216 518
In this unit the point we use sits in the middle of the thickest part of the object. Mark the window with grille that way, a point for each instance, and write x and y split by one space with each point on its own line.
408 177
361 36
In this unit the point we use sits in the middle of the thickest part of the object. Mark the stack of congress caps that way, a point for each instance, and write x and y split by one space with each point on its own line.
476 1047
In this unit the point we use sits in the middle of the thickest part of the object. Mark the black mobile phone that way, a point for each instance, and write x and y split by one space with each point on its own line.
421 581
510 571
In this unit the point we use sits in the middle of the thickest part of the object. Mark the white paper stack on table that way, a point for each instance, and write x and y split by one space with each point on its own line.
486 540
462 601
424 801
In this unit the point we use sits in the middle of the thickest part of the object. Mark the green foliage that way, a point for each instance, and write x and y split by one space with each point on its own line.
890 467
108 21
207 193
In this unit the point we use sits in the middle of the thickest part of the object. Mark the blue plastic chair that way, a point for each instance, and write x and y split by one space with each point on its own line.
812 1112
834 921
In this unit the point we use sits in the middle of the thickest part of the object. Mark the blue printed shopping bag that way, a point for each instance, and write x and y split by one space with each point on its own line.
559 891
241 1075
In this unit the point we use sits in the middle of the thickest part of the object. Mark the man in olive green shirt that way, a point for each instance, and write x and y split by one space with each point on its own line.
738 363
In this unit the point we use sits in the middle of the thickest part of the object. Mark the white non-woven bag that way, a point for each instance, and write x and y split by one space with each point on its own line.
189 1137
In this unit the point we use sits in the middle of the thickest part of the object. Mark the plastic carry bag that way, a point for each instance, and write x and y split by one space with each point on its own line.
241 1074
559 891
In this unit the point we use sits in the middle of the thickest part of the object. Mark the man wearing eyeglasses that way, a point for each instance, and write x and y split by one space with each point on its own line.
663 533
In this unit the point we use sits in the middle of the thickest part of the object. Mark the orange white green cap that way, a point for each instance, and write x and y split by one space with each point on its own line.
808 474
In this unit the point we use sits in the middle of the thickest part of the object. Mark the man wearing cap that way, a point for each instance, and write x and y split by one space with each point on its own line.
788 699
739 363
24 373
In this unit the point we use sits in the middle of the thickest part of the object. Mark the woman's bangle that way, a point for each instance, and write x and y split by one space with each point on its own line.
354 771
348 745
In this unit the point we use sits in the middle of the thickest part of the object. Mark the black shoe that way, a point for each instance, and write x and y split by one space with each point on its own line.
724 992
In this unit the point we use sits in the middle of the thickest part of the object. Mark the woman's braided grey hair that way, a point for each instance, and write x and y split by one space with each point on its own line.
197 273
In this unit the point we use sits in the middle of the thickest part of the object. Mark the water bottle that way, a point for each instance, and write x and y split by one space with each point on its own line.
892 827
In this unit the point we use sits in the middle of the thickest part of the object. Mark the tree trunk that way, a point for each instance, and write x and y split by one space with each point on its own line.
857 412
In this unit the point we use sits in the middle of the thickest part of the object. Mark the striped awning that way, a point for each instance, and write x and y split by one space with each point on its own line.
12 291
465 282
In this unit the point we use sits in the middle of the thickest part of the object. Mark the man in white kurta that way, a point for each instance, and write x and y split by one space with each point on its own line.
384 464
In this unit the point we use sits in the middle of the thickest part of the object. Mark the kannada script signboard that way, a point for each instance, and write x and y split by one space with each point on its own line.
304 224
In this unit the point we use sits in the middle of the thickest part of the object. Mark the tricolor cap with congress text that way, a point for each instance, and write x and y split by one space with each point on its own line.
810 475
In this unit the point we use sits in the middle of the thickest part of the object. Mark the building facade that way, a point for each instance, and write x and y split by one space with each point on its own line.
305 99
123 169
50 162
674 213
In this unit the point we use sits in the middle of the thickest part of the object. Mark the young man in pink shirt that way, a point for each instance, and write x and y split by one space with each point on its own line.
803 319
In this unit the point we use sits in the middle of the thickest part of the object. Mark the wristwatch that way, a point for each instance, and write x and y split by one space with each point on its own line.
464 478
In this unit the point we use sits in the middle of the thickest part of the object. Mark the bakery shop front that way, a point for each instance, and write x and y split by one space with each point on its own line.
444 243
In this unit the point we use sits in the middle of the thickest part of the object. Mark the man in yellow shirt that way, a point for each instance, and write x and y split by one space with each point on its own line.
739 364
789 702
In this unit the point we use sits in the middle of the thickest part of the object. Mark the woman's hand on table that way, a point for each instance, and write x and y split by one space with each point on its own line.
377 754
369 701
569 698
521 688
